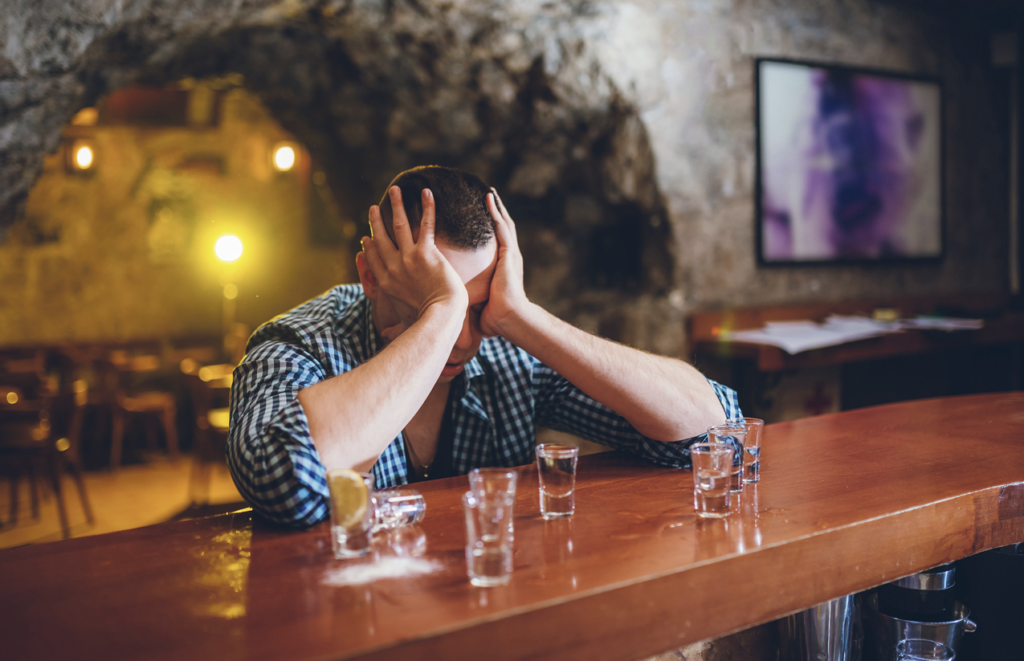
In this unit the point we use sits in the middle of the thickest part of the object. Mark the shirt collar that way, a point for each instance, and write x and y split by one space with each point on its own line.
462 386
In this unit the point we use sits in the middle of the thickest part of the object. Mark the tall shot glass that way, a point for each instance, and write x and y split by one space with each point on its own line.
488 546
733 434
493 482
712 474
351 520
556 467
752 450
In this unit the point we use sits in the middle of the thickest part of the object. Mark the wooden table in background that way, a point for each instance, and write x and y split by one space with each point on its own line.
704 331
847 501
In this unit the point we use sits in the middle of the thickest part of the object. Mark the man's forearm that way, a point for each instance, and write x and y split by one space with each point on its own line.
663 398
354 416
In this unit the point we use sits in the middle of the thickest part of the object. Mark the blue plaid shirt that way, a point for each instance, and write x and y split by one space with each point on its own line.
497 401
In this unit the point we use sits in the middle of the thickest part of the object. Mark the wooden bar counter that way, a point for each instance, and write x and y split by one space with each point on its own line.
847 501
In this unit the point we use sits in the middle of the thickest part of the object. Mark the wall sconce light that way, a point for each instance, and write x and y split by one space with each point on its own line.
228 248
80 156
284 156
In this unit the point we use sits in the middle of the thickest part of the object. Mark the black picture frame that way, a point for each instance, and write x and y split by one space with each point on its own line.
907 107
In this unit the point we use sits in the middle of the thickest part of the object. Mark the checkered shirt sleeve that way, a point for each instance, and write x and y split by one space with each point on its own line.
564 407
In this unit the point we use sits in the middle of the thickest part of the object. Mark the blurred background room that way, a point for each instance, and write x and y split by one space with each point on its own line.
174 174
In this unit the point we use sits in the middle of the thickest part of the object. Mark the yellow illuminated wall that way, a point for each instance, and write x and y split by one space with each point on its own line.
125 252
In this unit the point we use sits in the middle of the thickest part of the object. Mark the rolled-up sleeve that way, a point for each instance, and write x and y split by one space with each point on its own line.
271 455
564 407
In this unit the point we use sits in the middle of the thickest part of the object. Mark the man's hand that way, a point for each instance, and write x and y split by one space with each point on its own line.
507 299
414 275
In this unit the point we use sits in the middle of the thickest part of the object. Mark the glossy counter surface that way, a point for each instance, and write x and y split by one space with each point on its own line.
846 501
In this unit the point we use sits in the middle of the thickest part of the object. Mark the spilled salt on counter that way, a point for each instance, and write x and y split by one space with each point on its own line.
383 568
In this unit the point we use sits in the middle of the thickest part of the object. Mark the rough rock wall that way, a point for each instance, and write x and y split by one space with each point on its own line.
621 132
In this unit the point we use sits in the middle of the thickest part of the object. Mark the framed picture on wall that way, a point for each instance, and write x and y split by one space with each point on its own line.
849 165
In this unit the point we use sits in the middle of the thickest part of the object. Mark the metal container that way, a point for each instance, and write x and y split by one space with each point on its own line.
928 596
827 632
884 632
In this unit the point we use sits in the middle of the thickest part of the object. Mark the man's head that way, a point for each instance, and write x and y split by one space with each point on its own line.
464 234
460 199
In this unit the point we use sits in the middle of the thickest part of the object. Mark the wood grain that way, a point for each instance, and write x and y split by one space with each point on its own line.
847 501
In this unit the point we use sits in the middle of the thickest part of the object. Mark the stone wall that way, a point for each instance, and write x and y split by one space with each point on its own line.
125 252
621 132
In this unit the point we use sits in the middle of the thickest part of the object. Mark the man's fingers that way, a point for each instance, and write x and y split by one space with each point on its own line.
501 227
373 258
511 226
427 223
501 206
399 221
380 235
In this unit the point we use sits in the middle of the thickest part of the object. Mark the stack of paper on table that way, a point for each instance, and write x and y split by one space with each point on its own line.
797 336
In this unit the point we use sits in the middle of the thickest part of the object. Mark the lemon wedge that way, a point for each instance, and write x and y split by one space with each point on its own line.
349 496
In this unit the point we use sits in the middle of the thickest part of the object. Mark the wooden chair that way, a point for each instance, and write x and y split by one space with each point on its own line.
209 388
34 434
109 392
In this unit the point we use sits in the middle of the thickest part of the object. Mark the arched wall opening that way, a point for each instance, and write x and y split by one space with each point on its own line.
364 98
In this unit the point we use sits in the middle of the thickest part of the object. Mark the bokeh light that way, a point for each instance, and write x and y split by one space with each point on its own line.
228 248
284 158
83 157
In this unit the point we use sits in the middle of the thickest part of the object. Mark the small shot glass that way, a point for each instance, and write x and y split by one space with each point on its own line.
488 481
556 466
733 434
398 507
488 544
752 450
351 539
712 474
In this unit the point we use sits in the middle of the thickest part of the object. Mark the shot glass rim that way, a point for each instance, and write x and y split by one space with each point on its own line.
937 645
493 470
557 450
729 426
707 446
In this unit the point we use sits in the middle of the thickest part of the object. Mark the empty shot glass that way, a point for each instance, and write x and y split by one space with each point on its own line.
556 466
752 450
492 482
352 512
712 473
398 507
488 546
921 649
733 434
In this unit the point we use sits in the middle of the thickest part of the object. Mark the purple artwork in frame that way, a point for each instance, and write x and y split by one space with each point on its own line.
849 165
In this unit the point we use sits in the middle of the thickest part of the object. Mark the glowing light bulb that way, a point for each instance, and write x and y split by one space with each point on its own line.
228 248
284 158
83 157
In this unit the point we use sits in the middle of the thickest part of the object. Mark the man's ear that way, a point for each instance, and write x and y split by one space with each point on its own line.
370 285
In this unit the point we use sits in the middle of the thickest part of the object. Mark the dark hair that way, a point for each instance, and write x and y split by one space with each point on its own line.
460 200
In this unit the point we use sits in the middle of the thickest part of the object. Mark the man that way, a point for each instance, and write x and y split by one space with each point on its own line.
439 364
